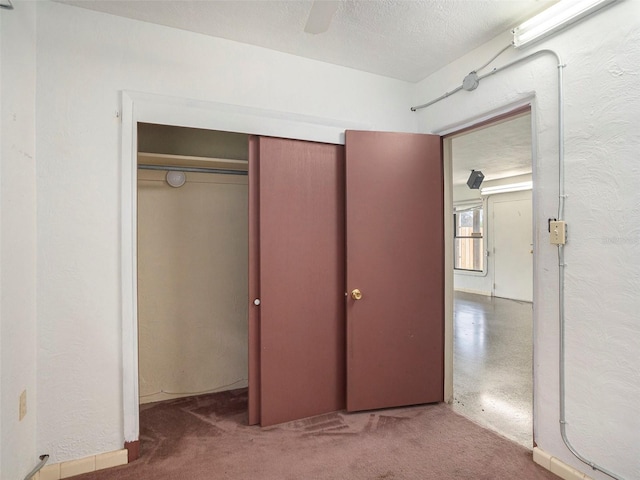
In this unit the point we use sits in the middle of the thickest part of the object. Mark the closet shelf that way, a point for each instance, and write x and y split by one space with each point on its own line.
145 158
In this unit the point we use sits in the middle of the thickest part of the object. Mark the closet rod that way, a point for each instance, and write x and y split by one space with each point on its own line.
192 169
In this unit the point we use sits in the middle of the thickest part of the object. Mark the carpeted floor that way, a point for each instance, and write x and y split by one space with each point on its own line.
206 437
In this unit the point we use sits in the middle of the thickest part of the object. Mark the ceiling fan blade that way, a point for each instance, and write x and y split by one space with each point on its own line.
320 16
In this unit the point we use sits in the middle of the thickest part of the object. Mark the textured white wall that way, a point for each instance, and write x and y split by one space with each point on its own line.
603 213
17 253
85 59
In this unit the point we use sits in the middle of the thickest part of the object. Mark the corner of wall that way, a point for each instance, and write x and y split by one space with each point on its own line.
17 240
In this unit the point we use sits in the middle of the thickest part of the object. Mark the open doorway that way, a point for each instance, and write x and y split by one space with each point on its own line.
192 261
493 276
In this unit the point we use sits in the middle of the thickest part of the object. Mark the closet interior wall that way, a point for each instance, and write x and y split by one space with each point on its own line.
192 265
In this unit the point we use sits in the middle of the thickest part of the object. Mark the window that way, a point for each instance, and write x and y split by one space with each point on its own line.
468 239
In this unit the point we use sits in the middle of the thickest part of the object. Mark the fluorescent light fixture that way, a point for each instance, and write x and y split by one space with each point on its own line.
509 187
555 18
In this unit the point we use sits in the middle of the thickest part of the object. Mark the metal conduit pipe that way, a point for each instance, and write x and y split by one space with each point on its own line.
441 97
37 468
561 264
488 62
473 75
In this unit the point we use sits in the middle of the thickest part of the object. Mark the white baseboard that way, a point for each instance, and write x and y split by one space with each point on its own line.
470 290
557 466
58 471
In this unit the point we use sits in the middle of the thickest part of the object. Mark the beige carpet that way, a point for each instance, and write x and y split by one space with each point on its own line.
206 437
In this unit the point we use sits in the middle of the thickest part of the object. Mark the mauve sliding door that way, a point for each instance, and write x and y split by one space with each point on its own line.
306 357
297 275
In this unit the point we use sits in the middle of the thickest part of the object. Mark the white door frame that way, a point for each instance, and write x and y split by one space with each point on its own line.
164 110
448 133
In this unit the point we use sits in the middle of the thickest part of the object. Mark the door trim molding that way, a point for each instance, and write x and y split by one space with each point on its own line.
503 112
175 111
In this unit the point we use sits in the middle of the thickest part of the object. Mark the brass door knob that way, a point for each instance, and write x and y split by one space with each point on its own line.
356 294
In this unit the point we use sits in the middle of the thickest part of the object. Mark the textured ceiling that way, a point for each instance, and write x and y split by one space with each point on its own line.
402 39
499 151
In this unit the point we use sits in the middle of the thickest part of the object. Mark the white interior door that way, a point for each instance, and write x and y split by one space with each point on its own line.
512 249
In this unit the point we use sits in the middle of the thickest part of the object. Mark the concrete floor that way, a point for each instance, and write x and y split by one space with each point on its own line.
492 379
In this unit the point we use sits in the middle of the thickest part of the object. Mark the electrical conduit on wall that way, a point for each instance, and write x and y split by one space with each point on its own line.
470 83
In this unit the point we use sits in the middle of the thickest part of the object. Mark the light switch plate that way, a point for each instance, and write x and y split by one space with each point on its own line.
558 230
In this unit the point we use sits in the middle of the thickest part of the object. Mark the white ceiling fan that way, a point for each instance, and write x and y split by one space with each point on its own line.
320 16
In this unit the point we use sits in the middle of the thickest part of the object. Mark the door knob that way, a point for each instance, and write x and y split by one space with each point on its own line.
356 294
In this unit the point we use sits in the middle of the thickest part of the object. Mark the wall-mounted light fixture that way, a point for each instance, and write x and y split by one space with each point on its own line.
555 18
509 187
176 179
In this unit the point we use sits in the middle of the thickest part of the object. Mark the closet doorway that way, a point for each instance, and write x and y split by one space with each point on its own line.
142 108
192 261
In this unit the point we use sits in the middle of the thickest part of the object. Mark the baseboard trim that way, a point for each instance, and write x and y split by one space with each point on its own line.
58 471
558 467
476 292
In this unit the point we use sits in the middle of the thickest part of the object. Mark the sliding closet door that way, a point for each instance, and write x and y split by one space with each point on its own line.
395 270
389 351
297 218
254 282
